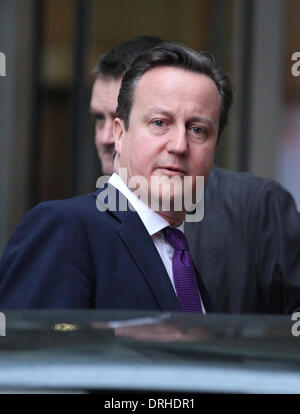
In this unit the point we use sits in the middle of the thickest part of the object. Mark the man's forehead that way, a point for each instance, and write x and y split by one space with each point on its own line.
175 78
105 90
166 87
104 81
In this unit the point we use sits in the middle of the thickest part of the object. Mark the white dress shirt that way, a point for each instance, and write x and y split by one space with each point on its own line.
154 224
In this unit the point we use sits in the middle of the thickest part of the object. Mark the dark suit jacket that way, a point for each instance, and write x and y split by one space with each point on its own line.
247 248
68 254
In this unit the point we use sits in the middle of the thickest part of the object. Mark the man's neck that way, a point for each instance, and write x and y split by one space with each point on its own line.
175 219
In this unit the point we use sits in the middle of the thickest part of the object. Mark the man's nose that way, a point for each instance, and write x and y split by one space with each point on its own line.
105 134
177 142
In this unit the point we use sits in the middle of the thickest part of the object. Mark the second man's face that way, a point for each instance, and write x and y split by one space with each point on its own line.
103 106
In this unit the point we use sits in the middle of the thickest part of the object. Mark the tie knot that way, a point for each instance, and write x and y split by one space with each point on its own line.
176 238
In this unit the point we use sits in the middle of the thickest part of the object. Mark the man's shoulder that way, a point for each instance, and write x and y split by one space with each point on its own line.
69 211
78 204
73 218
222 176
238 182
236 188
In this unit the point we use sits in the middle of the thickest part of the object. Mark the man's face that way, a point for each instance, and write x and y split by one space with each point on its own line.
103 107
173 125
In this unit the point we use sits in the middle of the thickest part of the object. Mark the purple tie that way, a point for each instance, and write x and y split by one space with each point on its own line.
183 271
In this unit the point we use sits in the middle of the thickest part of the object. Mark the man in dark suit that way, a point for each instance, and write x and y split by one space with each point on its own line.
247 247
172 107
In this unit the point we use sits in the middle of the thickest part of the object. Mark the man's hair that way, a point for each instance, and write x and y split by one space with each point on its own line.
179 56
114 63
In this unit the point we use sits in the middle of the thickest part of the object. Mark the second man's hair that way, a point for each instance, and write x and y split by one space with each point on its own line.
114 63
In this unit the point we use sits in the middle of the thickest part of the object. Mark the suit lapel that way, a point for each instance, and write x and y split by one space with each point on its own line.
142 249
140 245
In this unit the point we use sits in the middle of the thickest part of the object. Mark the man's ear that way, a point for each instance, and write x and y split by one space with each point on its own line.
118 131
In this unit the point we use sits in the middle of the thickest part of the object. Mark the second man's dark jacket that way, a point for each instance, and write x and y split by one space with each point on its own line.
247 247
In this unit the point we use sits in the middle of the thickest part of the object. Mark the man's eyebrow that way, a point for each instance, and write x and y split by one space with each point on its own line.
93 111
196 118
161 111
205 119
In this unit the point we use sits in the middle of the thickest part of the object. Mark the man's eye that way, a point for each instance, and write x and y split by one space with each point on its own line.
159 123
98 120
198 130
97 117
100 117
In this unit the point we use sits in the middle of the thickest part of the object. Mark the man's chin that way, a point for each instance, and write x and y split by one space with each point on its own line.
167 202
107 168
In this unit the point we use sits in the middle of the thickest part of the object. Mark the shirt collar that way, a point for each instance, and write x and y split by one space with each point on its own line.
152 221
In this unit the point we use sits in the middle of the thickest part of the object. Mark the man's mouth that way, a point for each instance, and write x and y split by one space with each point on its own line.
171 171
108 150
